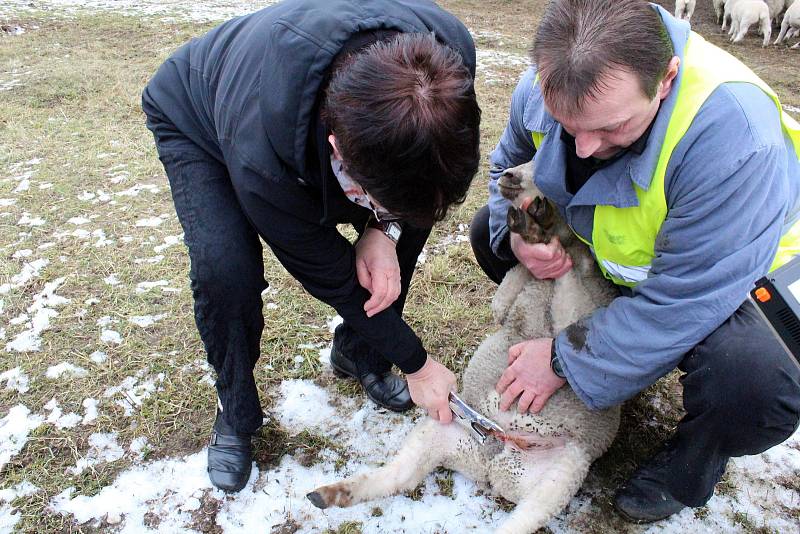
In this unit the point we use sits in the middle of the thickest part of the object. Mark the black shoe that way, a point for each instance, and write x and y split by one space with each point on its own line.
645 497
230 456
383 387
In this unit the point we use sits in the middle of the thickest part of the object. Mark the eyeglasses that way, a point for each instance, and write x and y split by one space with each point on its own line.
381 214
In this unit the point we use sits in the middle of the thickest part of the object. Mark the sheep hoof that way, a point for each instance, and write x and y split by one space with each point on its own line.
317 500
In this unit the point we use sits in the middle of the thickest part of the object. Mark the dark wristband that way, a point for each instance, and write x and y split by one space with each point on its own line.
555 362
390 229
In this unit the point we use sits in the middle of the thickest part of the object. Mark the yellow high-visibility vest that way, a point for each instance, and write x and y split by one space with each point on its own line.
623 239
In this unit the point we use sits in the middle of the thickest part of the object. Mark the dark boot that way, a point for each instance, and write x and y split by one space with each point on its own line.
230 456
645 497
382 386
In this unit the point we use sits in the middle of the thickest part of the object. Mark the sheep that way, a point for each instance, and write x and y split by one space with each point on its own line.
775 7
543 459
746 13
718 7
684 7
727 10
790 26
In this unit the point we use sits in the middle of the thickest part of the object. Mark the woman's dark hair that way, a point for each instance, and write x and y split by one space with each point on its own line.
406 123
579 41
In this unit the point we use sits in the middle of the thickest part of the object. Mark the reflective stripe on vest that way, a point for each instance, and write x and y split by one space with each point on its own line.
623 239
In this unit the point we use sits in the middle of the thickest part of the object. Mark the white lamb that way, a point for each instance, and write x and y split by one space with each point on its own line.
684 9
745 14
727 11
790 26
545 457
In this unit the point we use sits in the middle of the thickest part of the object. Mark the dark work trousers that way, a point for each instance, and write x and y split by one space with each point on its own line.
741 393
227 270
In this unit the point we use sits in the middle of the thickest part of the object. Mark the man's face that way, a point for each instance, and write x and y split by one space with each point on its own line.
616 117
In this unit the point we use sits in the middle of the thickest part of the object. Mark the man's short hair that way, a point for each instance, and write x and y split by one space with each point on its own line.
406 122
579 41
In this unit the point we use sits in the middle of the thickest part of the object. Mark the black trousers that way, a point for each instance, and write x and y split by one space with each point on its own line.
227 272
741 392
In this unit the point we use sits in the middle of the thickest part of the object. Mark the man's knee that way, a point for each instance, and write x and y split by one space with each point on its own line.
479 230
743 376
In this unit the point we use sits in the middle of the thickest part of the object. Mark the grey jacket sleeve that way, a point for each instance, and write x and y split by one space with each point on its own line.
726 207
515 148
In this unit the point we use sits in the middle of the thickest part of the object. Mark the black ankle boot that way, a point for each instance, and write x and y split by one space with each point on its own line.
644 498
382 386
230 456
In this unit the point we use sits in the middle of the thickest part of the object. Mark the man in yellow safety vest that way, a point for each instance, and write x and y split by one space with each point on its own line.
676 164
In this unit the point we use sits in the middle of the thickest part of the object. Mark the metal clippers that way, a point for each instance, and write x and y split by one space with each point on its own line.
479 426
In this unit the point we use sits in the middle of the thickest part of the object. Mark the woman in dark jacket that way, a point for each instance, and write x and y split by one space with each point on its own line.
284 123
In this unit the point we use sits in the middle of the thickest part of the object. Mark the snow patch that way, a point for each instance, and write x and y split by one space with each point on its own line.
30 270
149 222
131 392
334 322
110 336
42 312
65 368
169 241
103 448
15 379
59 419
27 220
143 287
146 320
14 430
98 356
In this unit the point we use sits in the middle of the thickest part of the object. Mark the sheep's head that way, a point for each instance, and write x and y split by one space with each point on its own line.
530 215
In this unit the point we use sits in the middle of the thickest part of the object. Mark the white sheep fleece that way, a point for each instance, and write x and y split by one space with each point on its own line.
790 26
568 436
746 13
684 9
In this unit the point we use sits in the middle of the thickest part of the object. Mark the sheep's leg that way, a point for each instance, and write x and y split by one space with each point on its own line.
784 29
508 292
557 475
690 10
679 9
766 28
741 30
424 450
726 13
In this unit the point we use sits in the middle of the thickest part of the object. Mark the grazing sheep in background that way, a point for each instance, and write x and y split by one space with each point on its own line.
684 7
790 26
747 13
718 9
775 8
728 6
544 458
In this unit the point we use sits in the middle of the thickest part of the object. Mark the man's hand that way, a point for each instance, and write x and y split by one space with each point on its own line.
542 260
528 376
430 389
377 270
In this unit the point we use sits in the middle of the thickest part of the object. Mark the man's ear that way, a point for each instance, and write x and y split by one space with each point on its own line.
332 141
665 85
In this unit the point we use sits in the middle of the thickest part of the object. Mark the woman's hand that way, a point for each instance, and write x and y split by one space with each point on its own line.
430 389
378 270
